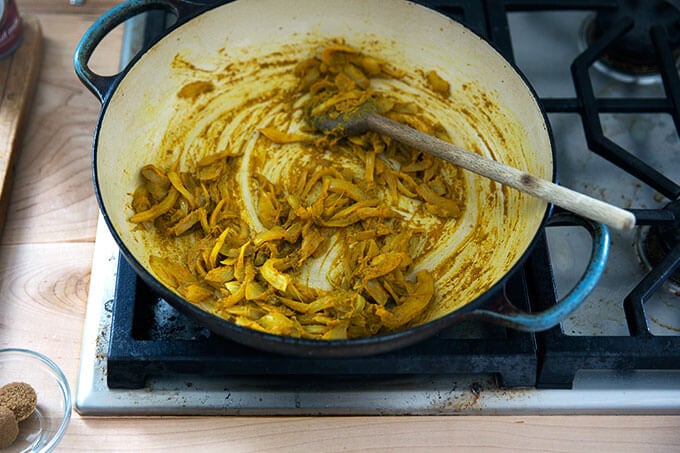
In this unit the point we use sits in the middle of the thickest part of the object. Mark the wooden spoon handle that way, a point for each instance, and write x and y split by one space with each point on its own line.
571 200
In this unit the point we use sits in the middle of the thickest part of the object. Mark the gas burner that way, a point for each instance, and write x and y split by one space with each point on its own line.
655 242
633 57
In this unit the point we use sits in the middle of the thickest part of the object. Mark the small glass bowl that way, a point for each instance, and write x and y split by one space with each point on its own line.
42 431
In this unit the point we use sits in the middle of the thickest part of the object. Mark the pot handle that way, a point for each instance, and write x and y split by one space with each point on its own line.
101 86
506 314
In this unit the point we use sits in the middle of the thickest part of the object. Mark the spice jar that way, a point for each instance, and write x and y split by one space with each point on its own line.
11 29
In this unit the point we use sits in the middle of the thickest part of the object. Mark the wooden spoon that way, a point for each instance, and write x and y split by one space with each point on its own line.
366 118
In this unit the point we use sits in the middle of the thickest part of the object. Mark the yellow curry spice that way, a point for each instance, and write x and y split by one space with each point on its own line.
252 278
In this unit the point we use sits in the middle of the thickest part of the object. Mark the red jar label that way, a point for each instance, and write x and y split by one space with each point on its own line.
10 27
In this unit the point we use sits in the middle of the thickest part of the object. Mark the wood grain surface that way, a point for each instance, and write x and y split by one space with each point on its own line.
18 76
45 258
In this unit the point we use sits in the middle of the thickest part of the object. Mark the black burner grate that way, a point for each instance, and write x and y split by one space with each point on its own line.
149 338
561 356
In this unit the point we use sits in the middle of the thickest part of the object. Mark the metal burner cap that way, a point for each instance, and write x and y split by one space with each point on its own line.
657 241
635 52
669 233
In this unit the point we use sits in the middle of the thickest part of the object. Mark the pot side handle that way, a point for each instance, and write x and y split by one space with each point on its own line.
510 316
102 86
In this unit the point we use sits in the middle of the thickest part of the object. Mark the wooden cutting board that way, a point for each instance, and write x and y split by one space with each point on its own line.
18 78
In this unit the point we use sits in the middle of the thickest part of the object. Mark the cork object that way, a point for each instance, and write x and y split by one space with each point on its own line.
9 427
20 398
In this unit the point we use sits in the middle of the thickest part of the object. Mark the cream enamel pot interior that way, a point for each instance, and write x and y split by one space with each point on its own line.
491 110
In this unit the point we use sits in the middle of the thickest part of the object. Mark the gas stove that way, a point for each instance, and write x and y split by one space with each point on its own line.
606 75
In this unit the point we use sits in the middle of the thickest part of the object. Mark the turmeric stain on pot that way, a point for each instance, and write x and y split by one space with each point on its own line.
278 229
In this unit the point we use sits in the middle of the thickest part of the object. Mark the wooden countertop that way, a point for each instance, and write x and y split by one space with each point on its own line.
45 260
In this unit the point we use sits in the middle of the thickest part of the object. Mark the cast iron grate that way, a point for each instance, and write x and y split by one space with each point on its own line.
561 356
148 337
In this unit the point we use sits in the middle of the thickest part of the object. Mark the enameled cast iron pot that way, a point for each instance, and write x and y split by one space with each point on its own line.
500 226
